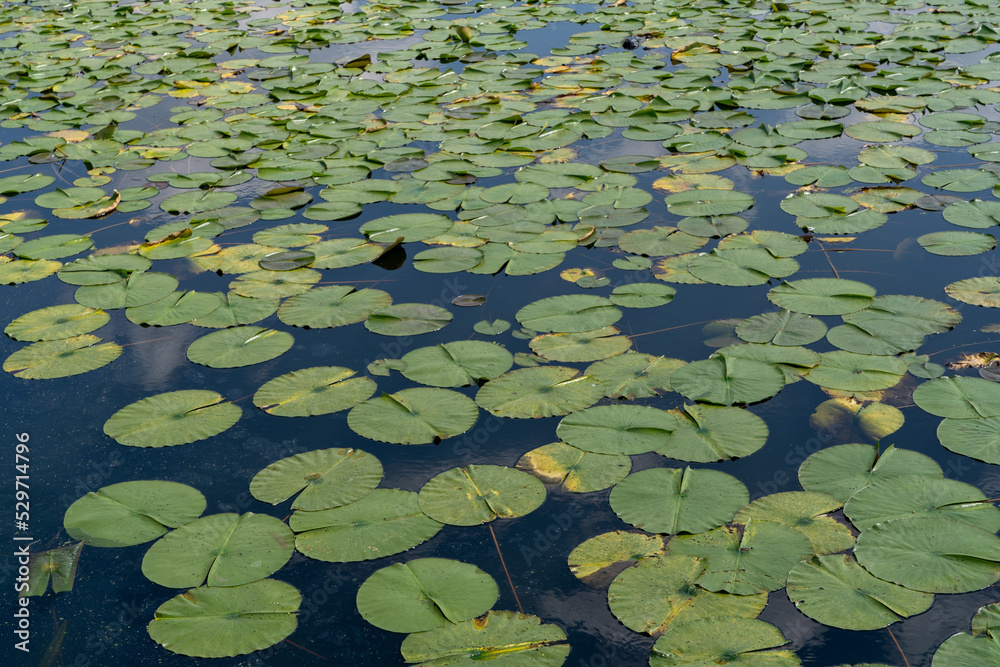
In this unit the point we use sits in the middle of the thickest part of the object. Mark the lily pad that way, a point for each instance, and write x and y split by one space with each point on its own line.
671 500
172 418
601 558
479 494
617 429
212 622
416 416
130 513
58 565
457 364
219 550
976 438
727 380
661 591
583 346
959 397
957 244
407 319
745 559
708 641
239 346
61 358
571 313
843 470
806 512
528 393
838 592
781 328
634 374
56 322
931 554
424 594
313 391
332 306
848 371
822 296
326 478
515 639
708 433
915 496
383 523
574 469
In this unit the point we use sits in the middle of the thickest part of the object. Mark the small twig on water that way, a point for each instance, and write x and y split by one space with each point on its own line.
829 261
679 326
303 648
905 661
509 581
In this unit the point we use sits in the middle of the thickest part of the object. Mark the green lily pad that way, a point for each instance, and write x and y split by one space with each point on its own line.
407 319
708 433
708 202
424 594
479 494
574 469
961 180
983 291
416 416
456 364
514 639
976 438
528 393
583 346
634 374
977 213
58 565
383 523
332 306
660 241
957 244
235 310
838 592
959 397
875 335
172 418
881 131
970 650
848 371
642 295
843 470
931 554
661 591
617 429
570 313
925 315
326 477
781 328
727 380
176 308
806 512
709 641
197 201
822 296
745 559
55 246
13 185
313 391
408 226
130 513
61 358
915 496
219 550
601 558
138 289
239 346
211 622
102 269
671 500
56 322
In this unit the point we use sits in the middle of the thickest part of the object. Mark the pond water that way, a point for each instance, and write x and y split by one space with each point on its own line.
186 132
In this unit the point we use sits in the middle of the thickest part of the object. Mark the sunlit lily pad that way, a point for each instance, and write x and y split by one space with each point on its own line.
457 364
583 346
727 380
634 374
479 494
332 306
407 319
957 244
61 358
219 550
671 500
982 291
781 328
56 322
129 513
822 296
574 469
313 391
396 598
601 558
239 346
383 523
326 478
843 470
175 308
914 496
416 416
806 512
172 418
571 313
857 372
138 289
959 397
212 622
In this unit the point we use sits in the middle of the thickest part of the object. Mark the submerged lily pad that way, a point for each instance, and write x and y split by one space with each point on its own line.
212 622
58 565
172 418
424 594
219 550
129 513
326 478
383 523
